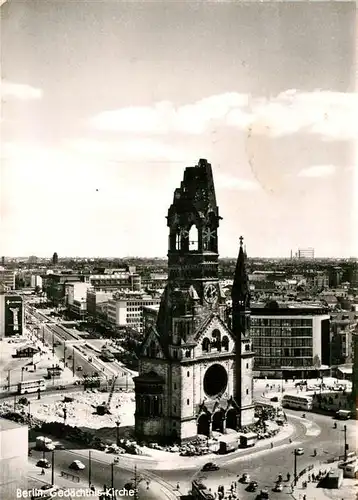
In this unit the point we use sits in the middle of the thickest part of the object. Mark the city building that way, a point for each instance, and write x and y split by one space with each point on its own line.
11 314
355 375
76 294
305 253
343 325
118 280
290 340
7 278
36 281
195 374
125 309
95 301
13 458
56 285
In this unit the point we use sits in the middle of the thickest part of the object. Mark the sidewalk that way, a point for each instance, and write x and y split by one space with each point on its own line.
347 491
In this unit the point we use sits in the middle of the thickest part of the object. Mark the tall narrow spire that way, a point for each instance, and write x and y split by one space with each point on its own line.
240 289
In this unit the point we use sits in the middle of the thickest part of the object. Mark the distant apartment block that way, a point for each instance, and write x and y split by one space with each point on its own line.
290 340
96 299
7 278
36 281
305 253
122 280
126 309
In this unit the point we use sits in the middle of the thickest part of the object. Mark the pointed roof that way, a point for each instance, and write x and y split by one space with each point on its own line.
240 288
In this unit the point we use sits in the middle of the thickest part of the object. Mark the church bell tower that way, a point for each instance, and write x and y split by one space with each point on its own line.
244 356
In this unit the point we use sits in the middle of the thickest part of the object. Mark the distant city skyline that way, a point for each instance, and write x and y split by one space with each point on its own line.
105 103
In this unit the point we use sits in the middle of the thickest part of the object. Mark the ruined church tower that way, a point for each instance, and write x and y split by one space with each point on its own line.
190 361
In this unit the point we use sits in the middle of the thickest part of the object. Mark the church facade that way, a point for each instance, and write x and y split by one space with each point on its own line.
195 373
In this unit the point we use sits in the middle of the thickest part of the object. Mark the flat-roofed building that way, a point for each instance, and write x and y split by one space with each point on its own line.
14 445
290 340
126 309
7 278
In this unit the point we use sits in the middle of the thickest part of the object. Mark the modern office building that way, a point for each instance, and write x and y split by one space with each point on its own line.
13 458
305 253
126 309
7 278
96 298
290 340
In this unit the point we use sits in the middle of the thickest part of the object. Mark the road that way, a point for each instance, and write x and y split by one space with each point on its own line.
100 472
69 347
265 465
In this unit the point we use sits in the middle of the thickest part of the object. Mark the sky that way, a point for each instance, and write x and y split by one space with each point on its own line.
104 104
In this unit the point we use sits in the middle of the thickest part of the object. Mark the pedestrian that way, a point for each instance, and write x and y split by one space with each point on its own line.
304 497
290 440
271 445
42 472
309 478
178 486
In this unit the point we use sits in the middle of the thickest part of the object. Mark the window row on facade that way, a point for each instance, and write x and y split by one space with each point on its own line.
261 362
276 352
280 322
281 332
282 342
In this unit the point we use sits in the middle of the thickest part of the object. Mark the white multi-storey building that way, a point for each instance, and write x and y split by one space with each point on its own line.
126 309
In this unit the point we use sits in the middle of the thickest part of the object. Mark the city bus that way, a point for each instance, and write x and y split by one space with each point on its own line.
297 402
31 386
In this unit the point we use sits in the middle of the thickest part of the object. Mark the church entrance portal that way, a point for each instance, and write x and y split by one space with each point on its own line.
231 419
218 421
215 380
204 424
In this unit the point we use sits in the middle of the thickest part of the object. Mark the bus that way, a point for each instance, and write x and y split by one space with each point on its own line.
297 402
31 386
343 414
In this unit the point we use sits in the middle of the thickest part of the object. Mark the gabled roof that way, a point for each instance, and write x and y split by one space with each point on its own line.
153 333
210 319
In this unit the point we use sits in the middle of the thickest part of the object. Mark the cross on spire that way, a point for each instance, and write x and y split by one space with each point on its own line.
241 241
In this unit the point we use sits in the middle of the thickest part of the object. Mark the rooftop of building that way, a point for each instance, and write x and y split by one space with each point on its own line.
6 425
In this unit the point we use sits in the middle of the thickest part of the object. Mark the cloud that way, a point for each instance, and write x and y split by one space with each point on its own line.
331 115
164 117
318 171
19 91
227 181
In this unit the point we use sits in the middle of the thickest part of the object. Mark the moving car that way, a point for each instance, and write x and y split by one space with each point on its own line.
278 487
299 451
210 466
77 465
43 463
245 478
252 486
263 495
45 492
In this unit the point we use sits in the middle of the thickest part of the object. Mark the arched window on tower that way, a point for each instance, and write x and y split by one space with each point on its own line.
177 241
225 343
193 239
216 342
205 346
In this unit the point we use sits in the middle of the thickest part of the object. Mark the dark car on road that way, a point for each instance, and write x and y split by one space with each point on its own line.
210 466
43 463
252 486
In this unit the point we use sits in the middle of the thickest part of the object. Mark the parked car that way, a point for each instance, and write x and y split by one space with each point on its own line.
210 466
43 463
45 492
252 486
77 465
278 487
300 451
263 495
245 478
59 446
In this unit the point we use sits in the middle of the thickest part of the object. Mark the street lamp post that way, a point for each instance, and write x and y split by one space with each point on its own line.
22 373
89 468
112 476
53 468
295 467
345 442
117 432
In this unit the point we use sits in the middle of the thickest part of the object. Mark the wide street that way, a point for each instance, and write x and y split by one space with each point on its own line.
100 472
264 465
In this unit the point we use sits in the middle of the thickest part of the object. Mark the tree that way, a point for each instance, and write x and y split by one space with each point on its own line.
316 361
55 259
